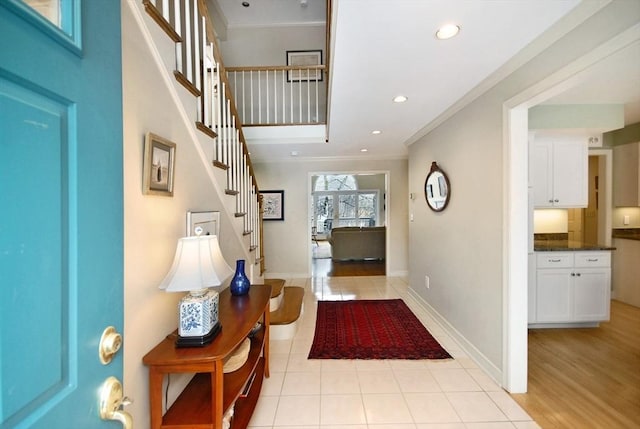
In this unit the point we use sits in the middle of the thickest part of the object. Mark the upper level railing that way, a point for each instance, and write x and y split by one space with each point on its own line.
279 95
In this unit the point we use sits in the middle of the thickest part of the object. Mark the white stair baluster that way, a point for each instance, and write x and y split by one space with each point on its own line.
244 100
275 96
308 97
259 98
300 96
251 94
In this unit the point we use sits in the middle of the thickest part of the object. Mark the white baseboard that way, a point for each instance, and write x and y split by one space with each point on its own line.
480 359
402 273
307 275
286 275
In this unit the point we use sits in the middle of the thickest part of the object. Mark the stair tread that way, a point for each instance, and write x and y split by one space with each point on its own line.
276 286
291 306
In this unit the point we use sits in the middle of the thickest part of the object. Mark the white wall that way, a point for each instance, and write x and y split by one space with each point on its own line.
461 249
153 224
287 243
269 46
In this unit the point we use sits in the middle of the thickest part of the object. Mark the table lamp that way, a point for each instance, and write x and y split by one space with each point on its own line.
198 265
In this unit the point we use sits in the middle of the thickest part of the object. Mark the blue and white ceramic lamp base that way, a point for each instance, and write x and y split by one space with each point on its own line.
198 318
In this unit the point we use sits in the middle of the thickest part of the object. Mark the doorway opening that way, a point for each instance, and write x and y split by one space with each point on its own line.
341 203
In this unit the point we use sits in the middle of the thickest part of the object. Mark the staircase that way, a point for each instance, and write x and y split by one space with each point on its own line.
189 57
286 308
199 69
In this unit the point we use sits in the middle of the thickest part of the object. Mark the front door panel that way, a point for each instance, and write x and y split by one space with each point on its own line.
35 245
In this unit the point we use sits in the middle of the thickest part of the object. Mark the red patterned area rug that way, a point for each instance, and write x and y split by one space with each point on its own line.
372 329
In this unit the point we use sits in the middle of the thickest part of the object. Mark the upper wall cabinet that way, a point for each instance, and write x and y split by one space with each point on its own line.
626 175
559 171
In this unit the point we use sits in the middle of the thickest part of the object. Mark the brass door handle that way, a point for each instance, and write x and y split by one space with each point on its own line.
111 401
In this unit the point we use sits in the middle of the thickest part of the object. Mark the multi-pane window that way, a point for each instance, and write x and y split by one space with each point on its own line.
367 205
338 202
336 182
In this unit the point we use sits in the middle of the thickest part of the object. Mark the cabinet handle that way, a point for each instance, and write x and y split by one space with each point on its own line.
550 201
573 274
578 274
556 200
592 260
555 260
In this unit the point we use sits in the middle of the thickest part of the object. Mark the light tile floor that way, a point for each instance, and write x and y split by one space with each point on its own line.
377 394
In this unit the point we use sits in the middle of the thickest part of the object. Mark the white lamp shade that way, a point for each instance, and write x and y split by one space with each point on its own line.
198 264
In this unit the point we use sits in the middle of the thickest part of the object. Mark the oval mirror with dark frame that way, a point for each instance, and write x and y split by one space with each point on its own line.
437 190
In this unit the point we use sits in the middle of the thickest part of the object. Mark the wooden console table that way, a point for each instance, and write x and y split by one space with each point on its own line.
203 403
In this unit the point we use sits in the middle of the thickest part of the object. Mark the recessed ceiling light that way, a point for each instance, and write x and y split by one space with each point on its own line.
399 99
447 31
294 153
364 150
246 4
376 132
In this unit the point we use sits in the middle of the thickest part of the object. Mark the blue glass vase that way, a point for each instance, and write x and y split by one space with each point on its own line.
240 282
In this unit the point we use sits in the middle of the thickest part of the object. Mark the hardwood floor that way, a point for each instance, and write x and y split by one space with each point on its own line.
325 267
329 268
586 378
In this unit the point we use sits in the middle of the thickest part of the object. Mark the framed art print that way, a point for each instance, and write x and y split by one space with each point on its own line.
304 59
159 165
272 205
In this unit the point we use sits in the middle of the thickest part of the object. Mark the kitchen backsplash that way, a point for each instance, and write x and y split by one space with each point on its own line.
549 221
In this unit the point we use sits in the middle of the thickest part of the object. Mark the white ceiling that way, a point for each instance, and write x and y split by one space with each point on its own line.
382 48
272 12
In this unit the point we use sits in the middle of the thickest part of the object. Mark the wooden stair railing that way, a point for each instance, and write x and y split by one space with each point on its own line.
200 70
274 95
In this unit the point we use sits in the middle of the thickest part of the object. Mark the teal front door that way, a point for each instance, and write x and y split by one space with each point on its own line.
61 209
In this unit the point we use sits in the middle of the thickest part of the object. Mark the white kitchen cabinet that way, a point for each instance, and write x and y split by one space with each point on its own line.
554 290
626 175
592 291
559 171
572 287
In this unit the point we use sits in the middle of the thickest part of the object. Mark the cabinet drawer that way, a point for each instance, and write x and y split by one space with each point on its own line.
590 259
554 260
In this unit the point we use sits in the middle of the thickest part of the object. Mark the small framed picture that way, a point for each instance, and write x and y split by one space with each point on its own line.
159 165
203 223
272 205
304 58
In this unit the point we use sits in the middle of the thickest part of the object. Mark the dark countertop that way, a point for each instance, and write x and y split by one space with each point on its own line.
567 246
559 242
627 233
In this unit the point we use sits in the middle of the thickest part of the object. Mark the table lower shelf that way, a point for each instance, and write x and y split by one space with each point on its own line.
197 398
246 403
193 407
